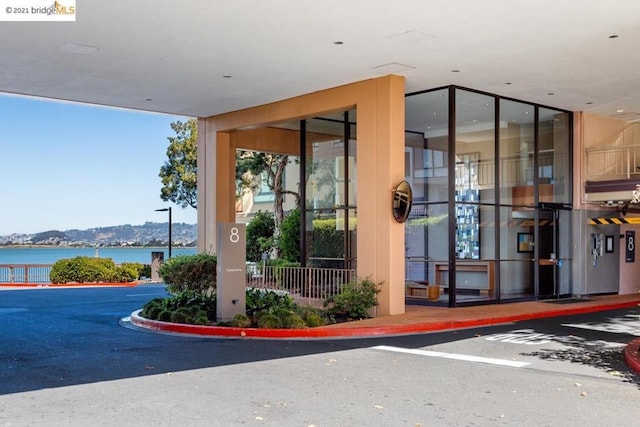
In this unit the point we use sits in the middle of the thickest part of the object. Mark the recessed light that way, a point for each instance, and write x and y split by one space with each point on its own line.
526 112
435 114
550 93
620 111
614 36
508 83
455 71
589 103
226 77
148 99
338 42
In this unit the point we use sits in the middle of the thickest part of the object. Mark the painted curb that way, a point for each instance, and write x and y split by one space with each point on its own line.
69 285
632 355
357 332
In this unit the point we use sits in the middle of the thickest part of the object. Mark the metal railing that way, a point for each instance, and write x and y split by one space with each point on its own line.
25 273
514 171
613 162
616 156
302 283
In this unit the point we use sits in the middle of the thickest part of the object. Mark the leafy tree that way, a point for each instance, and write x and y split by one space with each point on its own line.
290 237
273 167
259 233
179 172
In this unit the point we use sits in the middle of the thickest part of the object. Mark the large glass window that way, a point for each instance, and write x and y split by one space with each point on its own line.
517 133
427 170
555 156
479 191
330 196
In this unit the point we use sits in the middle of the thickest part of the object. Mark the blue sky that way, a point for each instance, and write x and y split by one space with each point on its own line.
66 165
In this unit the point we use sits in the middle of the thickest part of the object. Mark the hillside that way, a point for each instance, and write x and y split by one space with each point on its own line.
149 233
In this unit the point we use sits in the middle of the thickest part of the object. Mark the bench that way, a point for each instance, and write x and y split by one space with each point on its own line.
478 276
418 288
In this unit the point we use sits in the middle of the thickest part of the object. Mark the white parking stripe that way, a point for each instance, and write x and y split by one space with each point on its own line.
463 357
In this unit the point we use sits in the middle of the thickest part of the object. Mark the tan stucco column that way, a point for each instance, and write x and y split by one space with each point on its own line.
216 184
380 154
380 167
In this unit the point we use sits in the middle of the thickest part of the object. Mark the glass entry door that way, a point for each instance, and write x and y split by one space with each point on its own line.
553 252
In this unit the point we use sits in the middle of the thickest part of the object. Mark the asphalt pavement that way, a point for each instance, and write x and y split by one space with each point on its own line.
66 359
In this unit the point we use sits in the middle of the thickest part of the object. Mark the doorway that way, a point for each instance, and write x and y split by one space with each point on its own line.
552 251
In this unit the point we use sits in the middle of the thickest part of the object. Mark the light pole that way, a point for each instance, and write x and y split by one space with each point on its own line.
169 210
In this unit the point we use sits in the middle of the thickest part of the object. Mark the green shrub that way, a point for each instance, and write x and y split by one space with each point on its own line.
201 309
260 230
280 318
165 316
240 321
312 316
328 241
354 300
152 308
128 271
258 300
289 243
83 269
192 273
182 315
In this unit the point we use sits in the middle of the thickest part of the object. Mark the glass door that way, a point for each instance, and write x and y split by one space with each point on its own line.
553 256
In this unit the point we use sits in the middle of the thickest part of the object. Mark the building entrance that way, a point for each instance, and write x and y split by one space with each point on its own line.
552 252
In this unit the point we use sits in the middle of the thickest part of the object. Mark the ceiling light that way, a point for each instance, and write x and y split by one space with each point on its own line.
614 36
148 99
619 111
226 77
338 42
455 71
551 93
589 103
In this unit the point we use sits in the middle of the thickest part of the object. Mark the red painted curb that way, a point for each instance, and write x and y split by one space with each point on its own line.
68 285
364 331
632 355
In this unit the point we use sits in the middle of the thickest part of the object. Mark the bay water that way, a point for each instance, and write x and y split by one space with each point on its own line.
49 255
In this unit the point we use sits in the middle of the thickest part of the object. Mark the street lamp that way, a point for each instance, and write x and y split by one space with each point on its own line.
169 210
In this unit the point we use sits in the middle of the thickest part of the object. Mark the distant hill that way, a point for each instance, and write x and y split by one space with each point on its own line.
118 235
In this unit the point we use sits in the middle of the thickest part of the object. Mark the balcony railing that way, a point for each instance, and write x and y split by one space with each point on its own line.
613 163
22 274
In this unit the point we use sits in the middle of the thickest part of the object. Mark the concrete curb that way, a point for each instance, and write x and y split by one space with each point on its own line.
69 285
632 355
352 331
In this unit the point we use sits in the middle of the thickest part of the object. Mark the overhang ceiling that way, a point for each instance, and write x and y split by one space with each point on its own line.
201 58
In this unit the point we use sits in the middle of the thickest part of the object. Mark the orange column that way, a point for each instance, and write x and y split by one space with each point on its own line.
380 154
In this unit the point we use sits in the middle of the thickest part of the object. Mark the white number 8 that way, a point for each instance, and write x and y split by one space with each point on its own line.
234 237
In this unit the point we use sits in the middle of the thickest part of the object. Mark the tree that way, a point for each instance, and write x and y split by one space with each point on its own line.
272 166
179 173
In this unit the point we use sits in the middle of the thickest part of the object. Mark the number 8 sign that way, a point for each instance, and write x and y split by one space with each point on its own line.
234 235
630 237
